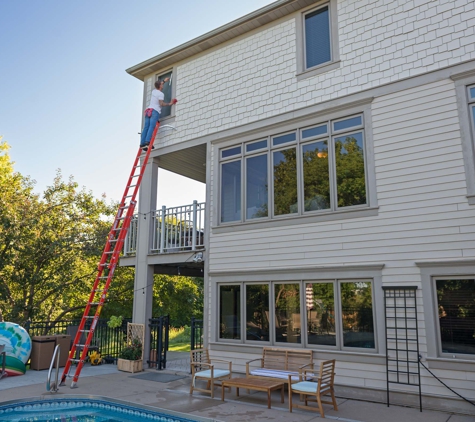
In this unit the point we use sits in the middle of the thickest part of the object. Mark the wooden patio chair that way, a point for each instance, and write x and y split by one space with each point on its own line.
313 391
203 369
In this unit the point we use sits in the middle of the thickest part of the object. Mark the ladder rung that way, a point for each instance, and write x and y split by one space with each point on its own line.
75 360
88 316
94 303
84 331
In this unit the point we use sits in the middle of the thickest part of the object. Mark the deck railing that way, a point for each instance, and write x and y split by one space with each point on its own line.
174 229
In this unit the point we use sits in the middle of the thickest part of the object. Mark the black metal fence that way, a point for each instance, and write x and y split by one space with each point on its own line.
159 338
196 333
110 341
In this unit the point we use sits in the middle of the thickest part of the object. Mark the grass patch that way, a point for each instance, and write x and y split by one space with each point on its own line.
179 339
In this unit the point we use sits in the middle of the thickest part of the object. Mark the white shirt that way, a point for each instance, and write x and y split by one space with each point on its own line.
154 100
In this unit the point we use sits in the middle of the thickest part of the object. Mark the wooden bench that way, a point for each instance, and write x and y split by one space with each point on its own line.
278 364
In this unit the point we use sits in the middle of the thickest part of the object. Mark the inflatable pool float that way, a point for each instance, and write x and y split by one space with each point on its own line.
13 366
16 340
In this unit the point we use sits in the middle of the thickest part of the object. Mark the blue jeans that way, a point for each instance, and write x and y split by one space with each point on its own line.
149 127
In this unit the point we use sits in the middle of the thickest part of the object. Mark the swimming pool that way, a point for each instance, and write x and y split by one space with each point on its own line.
86 409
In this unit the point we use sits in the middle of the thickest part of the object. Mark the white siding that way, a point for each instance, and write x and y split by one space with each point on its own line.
254 77
423 214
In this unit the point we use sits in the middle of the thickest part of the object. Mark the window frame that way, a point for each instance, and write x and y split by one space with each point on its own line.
302 283
463 82
298 144
302 71
440 351
429 272
161 75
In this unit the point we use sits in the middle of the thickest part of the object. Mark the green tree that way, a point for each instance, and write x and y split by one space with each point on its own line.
49 246
177 296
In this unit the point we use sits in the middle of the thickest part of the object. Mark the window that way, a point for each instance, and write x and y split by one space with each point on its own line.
471 106
230 312
317 37
337 314
167 91
465 90
257 312
456 310
317 40
287 313
319 168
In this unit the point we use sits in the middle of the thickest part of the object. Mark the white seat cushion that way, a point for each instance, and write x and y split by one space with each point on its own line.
306 387
217 373
274 373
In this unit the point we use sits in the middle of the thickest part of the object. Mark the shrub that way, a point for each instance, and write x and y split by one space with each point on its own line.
132 351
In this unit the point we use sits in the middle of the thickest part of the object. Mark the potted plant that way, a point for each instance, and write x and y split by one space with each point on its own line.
130 357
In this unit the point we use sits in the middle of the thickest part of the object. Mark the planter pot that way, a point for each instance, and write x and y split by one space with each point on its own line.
130 365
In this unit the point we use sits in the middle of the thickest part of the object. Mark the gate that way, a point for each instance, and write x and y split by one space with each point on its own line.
159 335
196 333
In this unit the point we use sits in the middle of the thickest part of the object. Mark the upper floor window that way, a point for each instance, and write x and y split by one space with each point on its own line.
167 91
471 104
317 40
465 90
317 37
320 168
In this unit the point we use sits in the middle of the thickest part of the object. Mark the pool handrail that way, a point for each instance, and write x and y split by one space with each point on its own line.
54 387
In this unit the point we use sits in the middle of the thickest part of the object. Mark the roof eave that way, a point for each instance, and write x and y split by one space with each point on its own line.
218 36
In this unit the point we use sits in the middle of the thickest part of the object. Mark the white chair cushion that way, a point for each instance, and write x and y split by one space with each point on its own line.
306 387
274 373
217 373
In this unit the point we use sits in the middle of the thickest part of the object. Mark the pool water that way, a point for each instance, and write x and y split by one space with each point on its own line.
84 410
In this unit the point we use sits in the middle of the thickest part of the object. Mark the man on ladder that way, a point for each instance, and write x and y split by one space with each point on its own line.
115 239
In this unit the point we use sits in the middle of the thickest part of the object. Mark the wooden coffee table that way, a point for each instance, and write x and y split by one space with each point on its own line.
254 384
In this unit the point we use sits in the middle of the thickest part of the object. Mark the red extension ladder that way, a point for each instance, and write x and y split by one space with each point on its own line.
109 260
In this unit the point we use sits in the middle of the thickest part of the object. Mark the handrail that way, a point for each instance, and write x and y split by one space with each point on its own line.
53 386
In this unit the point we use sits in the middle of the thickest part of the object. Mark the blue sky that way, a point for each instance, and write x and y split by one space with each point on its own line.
66 101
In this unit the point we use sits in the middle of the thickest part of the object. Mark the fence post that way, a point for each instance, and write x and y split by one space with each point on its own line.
192 333
162 229
193 235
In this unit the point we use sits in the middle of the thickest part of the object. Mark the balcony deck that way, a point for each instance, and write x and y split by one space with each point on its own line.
177 240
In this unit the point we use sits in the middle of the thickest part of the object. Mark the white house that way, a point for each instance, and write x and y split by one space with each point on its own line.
336 140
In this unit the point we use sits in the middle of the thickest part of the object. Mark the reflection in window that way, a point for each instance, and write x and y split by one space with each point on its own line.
231 191
167 92
230 312
285 182
287 313
320 303
257 312
348 123
357 314
316 178
314 131
350 173
256 187
283 139
456 304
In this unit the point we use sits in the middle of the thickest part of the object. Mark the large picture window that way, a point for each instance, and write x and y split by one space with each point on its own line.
313 169
337 314
456 310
